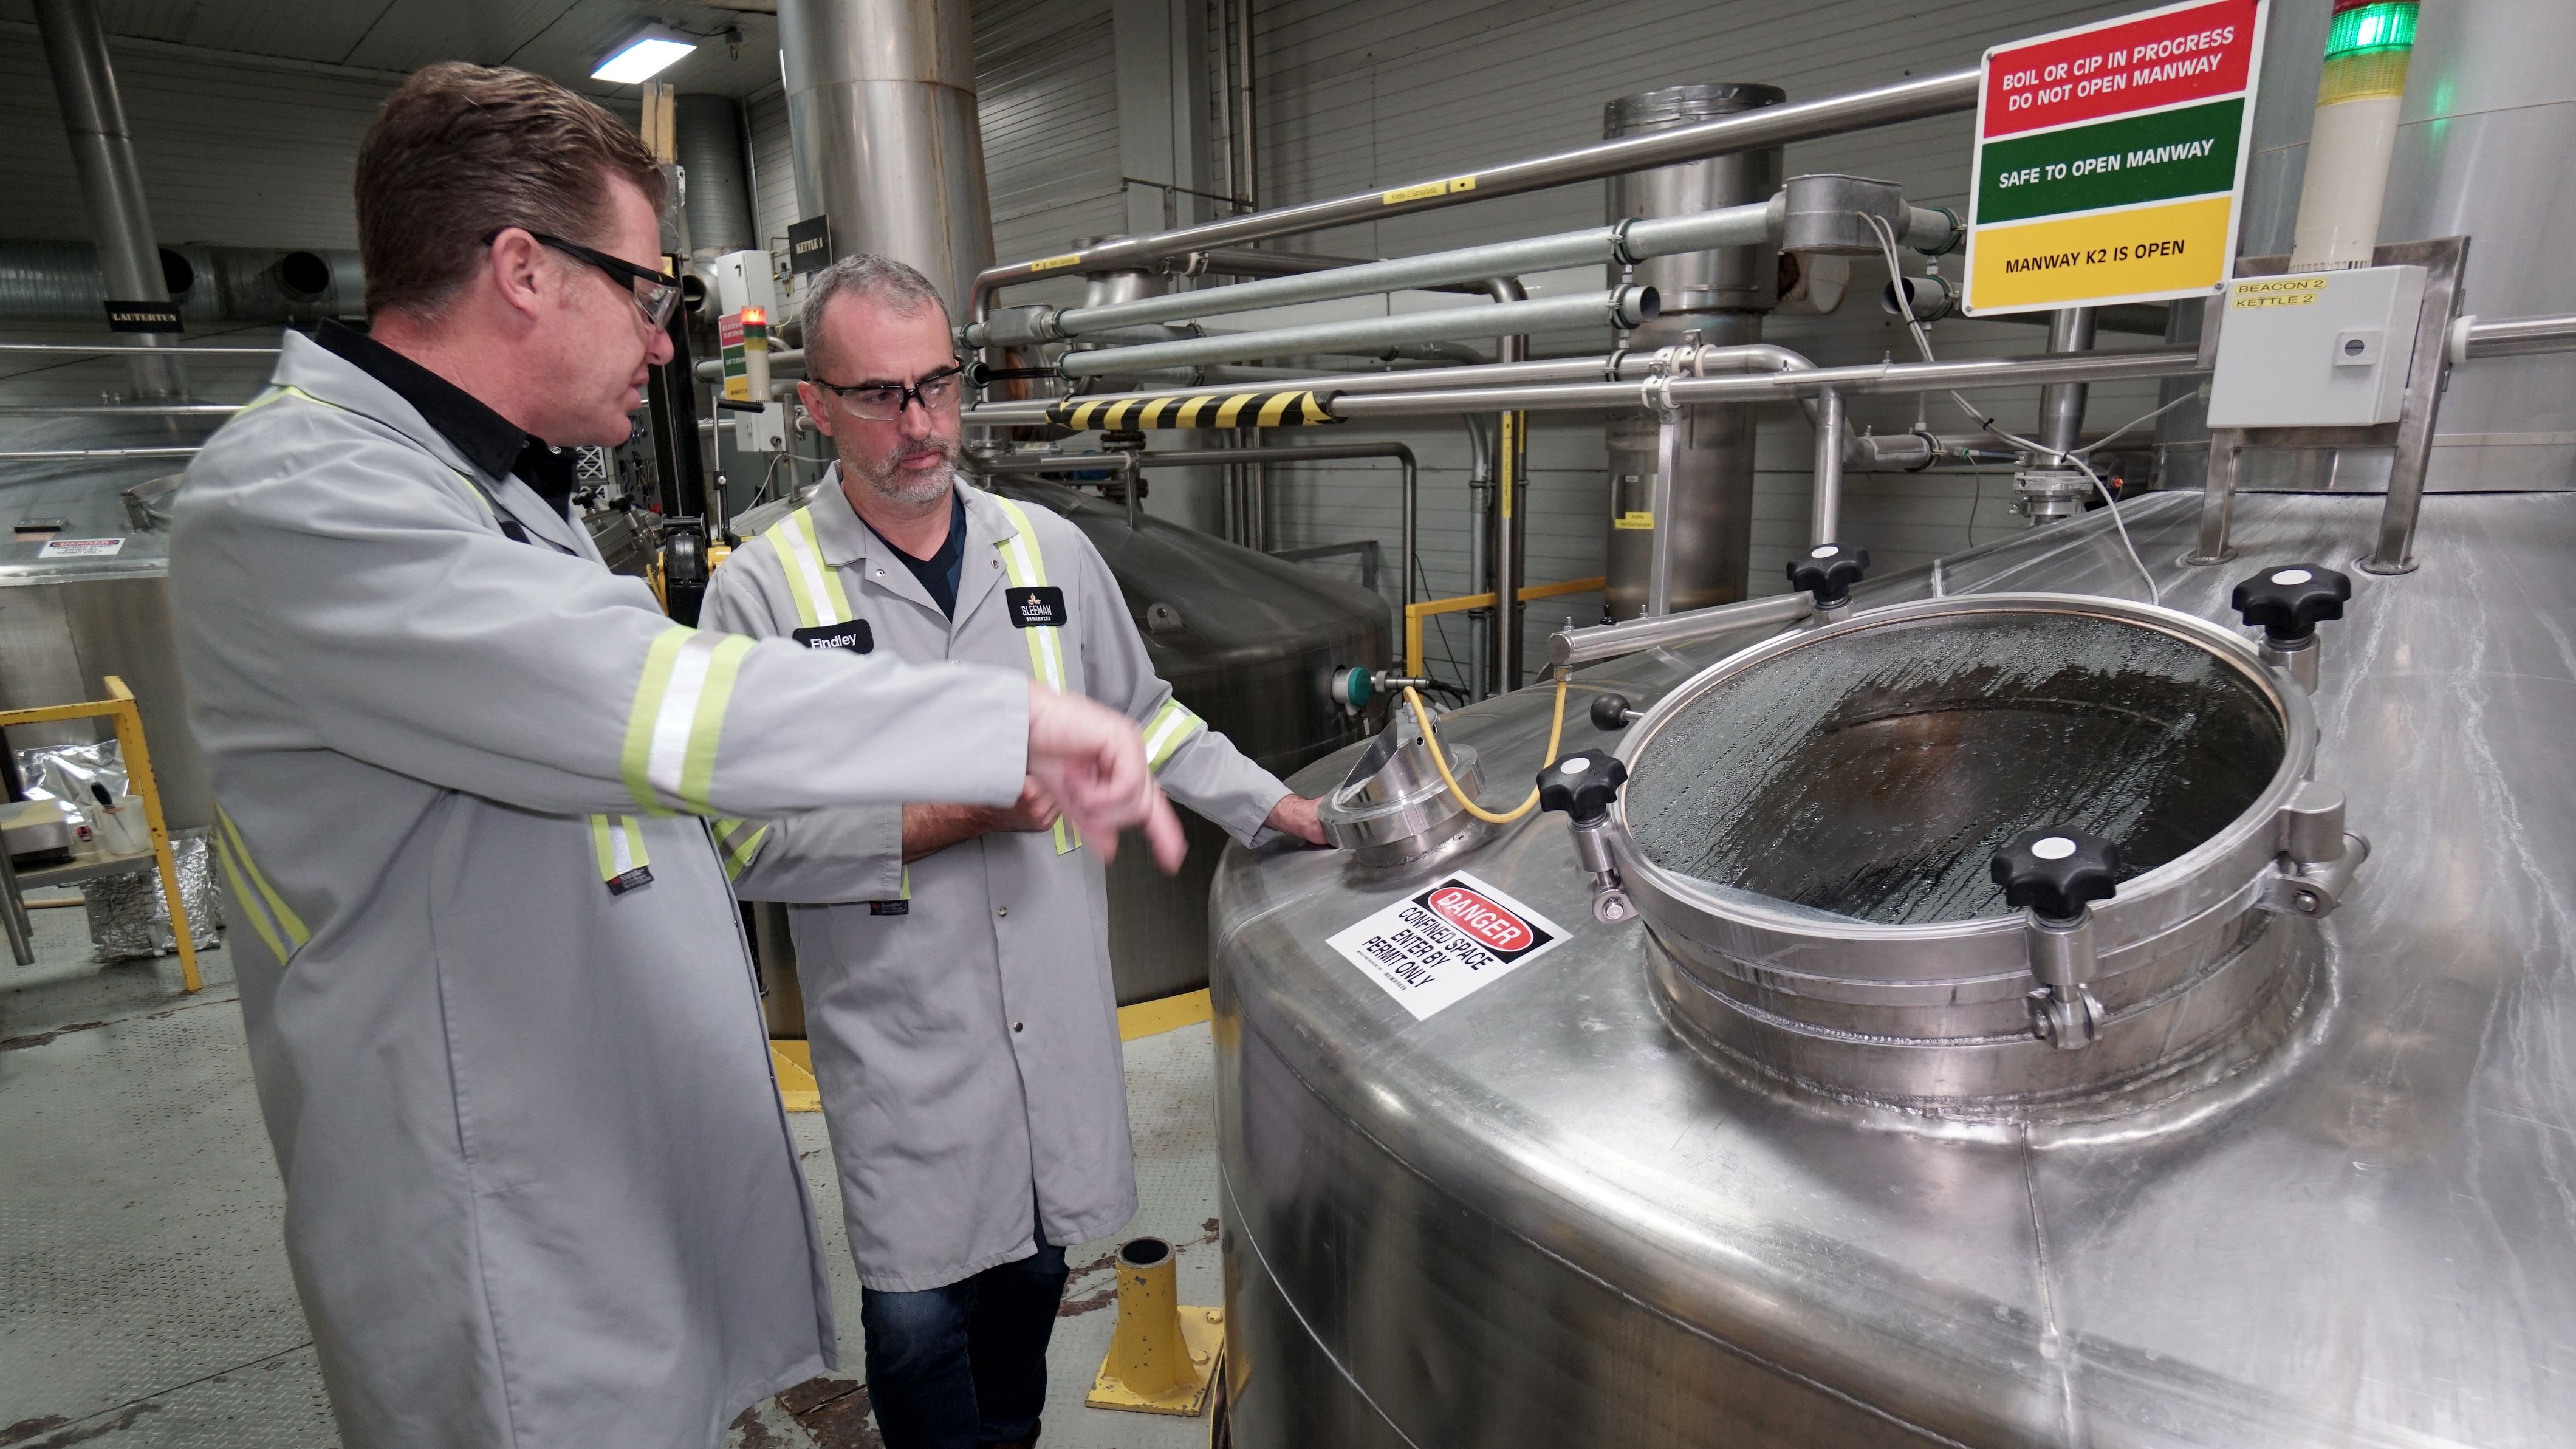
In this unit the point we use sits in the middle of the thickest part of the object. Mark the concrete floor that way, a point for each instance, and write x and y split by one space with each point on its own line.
144 1296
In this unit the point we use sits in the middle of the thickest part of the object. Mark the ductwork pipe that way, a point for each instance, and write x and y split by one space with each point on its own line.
111 181
1619 307
881 107
1933 95
60 281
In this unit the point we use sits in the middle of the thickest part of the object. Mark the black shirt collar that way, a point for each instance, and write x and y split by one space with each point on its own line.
939 572
487 440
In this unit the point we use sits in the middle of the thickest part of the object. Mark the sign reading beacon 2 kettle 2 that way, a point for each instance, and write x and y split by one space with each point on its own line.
2111 159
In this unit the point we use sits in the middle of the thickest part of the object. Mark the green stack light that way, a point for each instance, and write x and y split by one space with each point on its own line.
2367 47
2361 25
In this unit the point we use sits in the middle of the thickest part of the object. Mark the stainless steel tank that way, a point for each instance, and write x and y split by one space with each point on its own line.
1719 295
66 623
1246 641
1584 1204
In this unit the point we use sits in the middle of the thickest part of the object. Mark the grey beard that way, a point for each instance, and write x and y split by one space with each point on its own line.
895 485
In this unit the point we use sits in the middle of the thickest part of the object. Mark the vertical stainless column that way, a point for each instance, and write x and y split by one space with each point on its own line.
129 258
1720 296
2061 404
881 108
1510 551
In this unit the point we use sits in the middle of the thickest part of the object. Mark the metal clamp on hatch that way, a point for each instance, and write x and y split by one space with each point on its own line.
2318 856
2055 876
1584 787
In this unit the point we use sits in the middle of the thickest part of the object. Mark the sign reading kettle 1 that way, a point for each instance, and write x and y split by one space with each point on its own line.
2111 159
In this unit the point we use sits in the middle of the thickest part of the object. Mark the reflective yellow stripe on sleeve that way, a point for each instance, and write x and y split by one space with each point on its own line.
617 843
1025 566
1169 729
259 918
812 583
673 728
738 842
267 898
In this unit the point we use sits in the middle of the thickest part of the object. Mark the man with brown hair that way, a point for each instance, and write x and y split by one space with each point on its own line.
539 1189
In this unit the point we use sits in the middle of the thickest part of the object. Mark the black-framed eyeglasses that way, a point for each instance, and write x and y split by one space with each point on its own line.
883 402
655 293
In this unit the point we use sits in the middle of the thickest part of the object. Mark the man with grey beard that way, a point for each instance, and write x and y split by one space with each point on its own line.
955 958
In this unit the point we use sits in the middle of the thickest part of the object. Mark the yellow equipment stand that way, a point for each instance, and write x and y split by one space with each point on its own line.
119 706
1164 1354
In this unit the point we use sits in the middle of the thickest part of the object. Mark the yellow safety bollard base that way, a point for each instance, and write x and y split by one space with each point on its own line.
792 1065
1203 1329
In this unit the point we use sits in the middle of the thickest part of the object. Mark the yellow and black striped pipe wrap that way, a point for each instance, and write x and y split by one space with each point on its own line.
1239 410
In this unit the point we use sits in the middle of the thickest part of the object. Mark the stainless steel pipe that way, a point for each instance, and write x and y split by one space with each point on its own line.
1907 100
121 410
1872 377
1665 236
2061 405
94 455
1744 357
1620 306
118 349
129 257
1827 504
2515 337
1510 553
1574 648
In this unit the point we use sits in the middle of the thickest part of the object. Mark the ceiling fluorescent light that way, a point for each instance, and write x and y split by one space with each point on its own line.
644 57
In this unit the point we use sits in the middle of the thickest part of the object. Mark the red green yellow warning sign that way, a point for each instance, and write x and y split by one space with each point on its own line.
2111 159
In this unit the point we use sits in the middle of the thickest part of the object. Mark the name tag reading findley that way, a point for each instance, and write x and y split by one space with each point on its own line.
1041 607
853 637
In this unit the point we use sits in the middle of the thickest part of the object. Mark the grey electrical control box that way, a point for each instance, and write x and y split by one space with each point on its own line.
2316 349
764 431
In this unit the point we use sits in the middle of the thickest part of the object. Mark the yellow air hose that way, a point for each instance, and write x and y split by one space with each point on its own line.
1431 742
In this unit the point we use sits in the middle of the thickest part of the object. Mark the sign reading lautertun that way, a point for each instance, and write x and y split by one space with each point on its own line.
2111 159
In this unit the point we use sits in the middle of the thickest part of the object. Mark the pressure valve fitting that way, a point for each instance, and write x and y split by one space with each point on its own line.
2054 876
1356 687
2288 604
1584 787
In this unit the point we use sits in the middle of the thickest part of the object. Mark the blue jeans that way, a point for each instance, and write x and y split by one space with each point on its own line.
964 1364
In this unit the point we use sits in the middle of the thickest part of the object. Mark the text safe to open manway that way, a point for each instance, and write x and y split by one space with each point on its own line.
2111 159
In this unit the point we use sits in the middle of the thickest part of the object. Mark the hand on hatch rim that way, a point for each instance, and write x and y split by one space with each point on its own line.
1092 761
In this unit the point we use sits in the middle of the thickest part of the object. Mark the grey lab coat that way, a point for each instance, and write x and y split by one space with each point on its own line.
539 1189
967 1048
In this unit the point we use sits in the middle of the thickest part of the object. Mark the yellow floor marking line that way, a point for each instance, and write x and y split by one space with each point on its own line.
1171 1013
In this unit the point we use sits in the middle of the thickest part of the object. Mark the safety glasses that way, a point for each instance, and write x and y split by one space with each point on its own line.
883 402
656 295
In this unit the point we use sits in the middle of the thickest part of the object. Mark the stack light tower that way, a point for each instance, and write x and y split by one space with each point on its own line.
2368 44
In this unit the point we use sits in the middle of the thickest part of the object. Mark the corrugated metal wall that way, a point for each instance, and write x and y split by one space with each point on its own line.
1357 95
234 152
